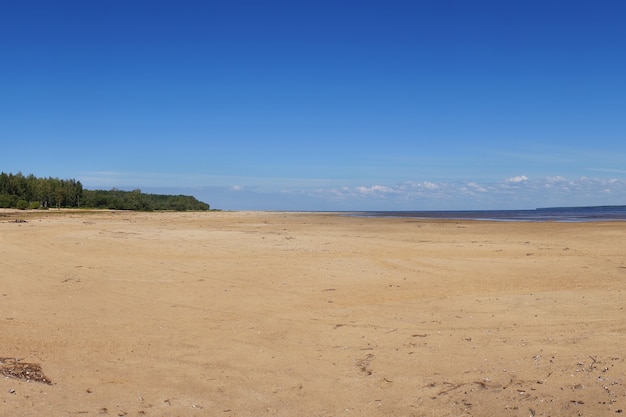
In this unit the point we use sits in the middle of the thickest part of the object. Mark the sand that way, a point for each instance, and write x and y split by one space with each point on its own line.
309 314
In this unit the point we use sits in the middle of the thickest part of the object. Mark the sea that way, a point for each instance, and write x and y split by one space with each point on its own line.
549 214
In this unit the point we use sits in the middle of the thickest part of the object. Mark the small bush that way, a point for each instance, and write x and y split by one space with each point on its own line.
34 205
22 204
6 201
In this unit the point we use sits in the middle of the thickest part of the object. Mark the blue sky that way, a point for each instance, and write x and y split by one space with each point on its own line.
321 105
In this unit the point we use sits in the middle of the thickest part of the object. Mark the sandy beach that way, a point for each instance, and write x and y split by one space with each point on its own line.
308 314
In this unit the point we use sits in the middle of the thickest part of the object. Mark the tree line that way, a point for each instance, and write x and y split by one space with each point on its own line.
22 192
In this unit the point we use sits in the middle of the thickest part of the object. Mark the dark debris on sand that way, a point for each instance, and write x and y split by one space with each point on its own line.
15 368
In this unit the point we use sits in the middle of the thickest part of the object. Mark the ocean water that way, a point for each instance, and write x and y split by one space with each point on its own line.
553 214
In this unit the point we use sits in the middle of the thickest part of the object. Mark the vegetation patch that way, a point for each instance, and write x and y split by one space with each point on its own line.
29 192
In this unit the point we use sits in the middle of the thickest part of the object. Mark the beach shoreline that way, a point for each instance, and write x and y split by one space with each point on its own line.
293 313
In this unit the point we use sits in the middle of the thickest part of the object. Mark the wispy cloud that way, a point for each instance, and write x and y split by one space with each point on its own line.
472 186
121 179
610 170
514 192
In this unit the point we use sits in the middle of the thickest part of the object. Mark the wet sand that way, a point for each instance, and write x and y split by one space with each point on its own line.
298 314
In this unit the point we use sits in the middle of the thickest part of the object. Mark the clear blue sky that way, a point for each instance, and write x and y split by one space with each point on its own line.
321 105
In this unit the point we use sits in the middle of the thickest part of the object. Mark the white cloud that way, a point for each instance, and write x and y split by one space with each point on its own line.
374 189
513 193
421 186
477 187
519 178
